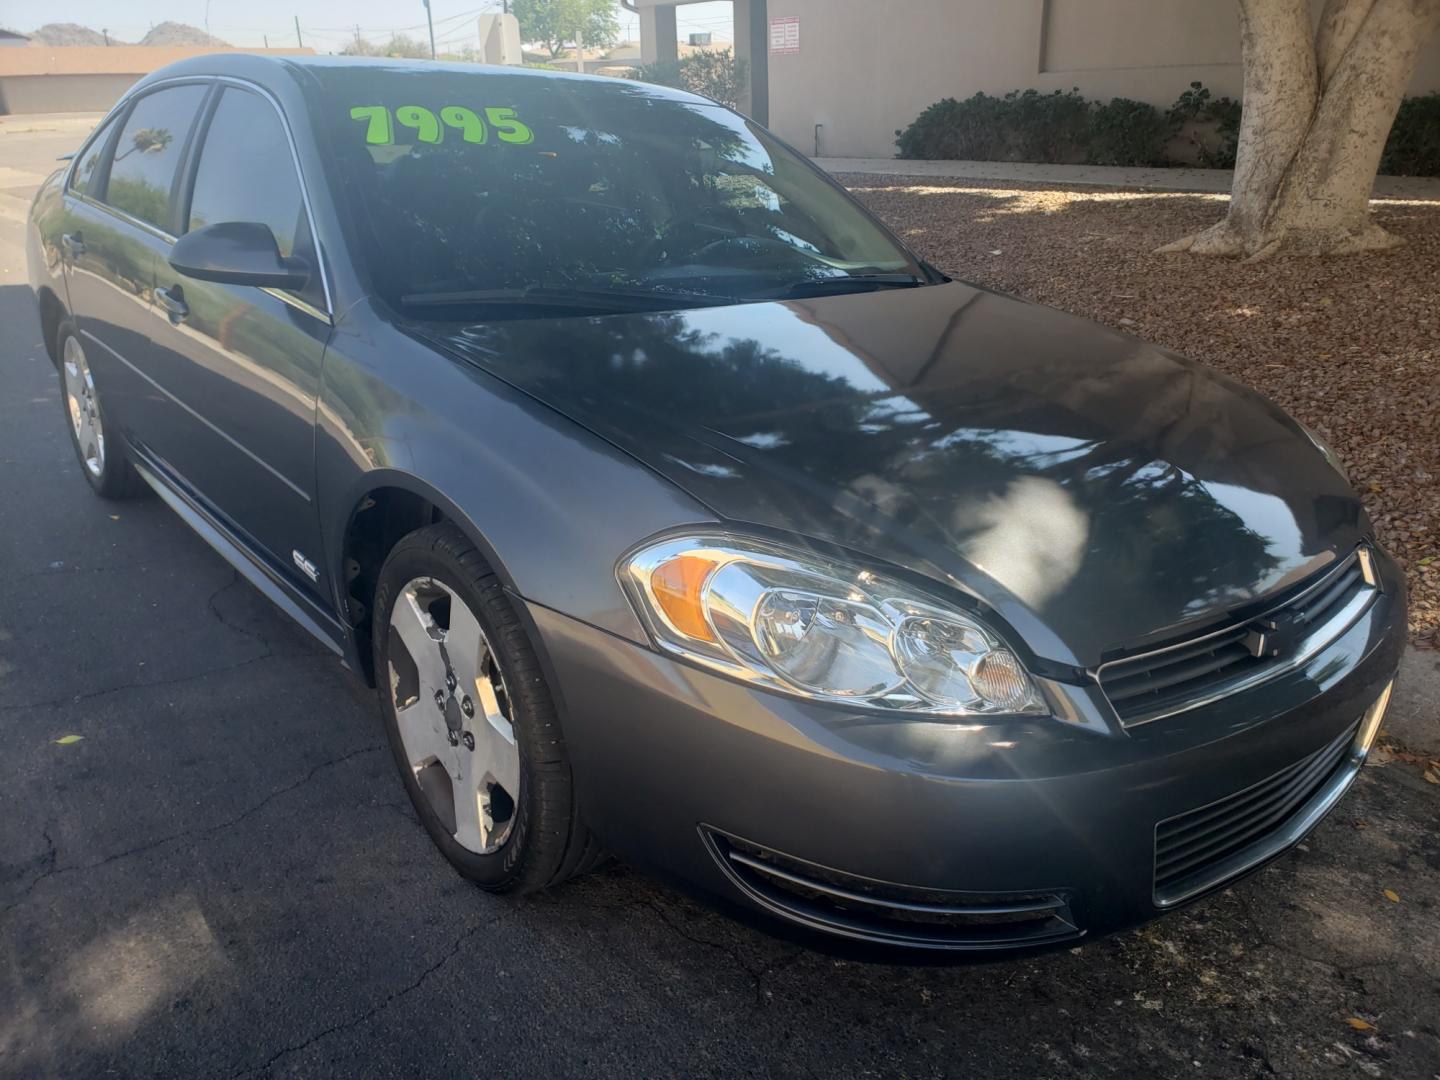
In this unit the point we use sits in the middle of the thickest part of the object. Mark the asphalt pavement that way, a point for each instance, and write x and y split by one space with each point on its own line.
222 877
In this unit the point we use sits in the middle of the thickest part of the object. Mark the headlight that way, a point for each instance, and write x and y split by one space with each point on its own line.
1327 451
819 629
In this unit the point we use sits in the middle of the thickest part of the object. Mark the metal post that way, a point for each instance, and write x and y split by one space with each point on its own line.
298 40
431 23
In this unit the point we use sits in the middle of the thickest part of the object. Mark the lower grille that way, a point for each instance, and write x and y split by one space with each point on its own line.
1203 847
890 914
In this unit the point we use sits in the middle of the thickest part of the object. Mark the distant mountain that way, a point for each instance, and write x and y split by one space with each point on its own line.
68 34
174 33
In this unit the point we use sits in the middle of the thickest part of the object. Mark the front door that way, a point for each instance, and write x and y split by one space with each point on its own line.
246 361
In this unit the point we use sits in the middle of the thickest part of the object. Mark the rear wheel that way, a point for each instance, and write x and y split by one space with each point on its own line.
102 459
470 720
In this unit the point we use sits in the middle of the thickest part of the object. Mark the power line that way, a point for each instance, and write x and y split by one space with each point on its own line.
397 29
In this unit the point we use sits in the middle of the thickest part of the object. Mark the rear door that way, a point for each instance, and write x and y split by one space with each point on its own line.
119 206
245 361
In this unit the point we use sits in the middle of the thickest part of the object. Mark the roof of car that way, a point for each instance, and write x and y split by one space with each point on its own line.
262 68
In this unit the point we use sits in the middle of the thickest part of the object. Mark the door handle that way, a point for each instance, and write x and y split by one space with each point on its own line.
173 301
73 243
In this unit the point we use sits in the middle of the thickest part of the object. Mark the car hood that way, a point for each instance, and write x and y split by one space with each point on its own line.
1098 492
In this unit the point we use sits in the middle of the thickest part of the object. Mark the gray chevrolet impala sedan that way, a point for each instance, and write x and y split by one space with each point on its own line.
676 509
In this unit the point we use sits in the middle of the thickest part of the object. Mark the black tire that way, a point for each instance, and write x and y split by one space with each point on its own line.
547 842
115 477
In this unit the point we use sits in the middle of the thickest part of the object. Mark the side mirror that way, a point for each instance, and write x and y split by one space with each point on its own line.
238 253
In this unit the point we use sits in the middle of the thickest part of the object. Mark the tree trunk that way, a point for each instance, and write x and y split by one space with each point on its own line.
1317 112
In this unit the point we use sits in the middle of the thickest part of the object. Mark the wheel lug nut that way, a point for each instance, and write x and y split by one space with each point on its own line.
468 740
468 708
454 739
440 700
450 680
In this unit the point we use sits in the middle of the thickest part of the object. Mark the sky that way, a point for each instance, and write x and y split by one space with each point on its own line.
324 26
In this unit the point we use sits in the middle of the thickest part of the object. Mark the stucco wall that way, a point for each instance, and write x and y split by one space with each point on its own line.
868 67
62 93
40 78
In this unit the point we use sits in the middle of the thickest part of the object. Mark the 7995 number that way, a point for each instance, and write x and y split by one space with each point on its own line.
380 122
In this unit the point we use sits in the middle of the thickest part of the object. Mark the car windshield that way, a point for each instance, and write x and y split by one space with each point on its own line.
521 194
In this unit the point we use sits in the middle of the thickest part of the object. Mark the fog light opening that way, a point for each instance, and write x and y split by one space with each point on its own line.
1370 725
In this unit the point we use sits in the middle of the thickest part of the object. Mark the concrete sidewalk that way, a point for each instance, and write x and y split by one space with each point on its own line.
1209 181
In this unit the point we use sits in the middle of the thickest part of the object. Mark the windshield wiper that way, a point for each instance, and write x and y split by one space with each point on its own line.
564 296
846 283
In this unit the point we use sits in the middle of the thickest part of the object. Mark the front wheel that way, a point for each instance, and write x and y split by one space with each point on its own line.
470 720
103 459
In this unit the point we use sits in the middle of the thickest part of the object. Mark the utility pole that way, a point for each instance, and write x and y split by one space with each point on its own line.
106 35
431 22
298 40
265 38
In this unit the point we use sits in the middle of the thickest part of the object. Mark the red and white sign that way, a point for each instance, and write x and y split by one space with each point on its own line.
785 34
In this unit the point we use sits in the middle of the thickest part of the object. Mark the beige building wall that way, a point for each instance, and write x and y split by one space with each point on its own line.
84 78
62 93
868 67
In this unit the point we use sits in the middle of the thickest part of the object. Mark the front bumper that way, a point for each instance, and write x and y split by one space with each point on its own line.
679 770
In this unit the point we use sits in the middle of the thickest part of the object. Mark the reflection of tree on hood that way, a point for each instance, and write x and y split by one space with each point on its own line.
935 461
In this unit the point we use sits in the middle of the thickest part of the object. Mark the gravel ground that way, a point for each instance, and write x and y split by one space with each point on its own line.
1350 346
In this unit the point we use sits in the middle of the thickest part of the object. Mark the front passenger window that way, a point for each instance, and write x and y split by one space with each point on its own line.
149 149
247 173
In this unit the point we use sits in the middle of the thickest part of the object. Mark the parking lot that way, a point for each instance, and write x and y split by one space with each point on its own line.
222 876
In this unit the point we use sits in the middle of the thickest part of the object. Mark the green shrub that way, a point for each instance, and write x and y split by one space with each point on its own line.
1126 132
716 74
1062 126
969 130
1021 126
1413 148
1047 127
1215 148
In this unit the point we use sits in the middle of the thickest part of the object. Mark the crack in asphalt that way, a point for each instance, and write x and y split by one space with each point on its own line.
150 845
254 635
268 653
46 859
52 703
373 1011
756 975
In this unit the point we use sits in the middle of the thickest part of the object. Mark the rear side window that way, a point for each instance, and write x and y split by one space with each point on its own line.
247 173
148 153
85 179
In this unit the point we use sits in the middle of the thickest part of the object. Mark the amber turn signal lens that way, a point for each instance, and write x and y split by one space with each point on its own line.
677 585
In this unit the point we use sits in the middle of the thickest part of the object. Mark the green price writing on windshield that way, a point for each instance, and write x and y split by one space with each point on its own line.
381 122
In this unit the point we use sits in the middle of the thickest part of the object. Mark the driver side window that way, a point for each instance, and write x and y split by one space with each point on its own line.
247 173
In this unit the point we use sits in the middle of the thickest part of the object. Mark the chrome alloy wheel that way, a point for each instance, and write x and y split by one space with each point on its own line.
453 713
83 407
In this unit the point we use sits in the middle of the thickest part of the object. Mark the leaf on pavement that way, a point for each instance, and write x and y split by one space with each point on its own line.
1358 1024
1430 776
68 740
1392 896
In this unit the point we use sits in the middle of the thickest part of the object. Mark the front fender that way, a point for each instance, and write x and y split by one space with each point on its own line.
552 506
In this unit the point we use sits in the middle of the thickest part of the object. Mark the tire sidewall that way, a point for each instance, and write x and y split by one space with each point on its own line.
505 867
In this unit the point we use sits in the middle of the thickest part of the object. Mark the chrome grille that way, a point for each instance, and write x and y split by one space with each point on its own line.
1196 671
1198 849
